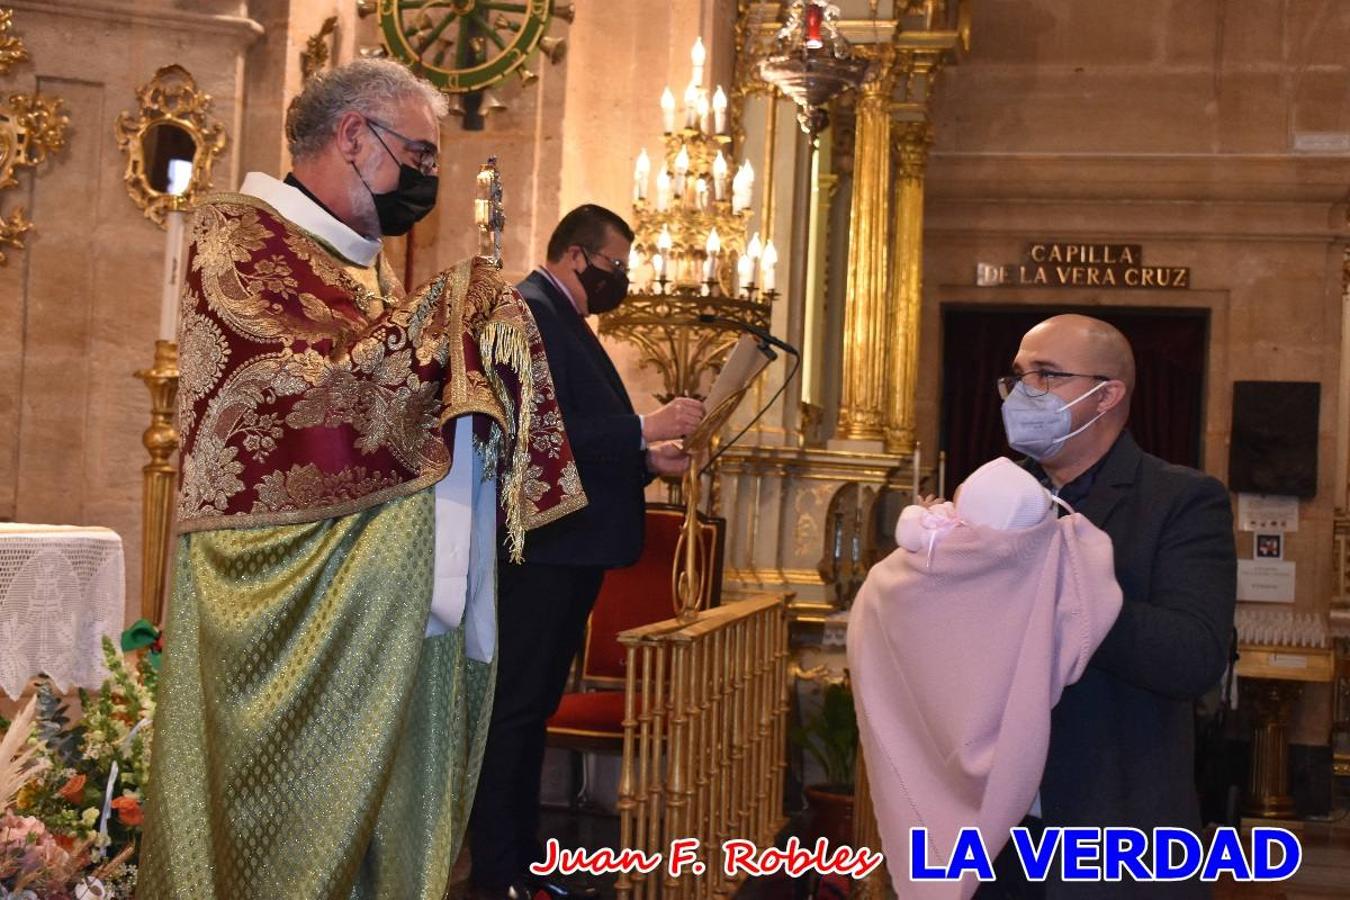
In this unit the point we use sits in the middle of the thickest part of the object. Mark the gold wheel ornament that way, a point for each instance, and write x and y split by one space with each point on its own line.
467 46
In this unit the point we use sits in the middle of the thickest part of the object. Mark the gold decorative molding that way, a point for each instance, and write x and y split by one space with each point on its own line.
173 117
12 231
32 127
319 49
12 50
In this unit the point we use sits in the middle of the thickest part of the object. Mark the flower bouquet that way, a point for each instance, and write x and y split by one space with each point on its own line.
70 791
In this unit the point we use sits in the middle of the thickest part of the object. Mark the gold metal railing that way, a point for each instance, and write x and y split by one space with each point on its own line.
705 727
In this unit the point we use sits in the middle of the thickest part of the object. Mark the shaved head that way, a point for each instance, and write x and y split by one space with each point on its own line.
1081 344
1093 362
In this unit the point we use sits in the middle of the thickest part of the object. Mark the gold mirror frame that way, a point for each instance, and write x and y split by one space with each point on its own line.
171 97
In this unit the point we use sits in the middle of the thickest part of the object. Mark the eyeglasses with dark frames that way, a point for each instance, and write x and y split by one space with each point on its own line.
425 153
1039 382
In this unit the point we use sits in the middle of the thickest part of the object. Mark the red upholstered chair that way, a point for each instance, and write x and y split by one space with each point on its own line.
591 719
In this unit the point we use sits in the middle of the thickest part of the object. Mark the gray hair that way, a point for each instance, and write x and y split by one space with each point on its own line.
366 86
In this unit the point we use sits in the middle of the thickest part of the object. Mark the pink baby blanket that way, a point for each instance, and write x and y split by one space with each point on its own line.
956 659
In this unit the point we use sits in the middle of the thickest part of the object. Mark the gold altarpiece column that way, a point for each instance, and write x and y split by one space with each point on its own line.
799 490
865 379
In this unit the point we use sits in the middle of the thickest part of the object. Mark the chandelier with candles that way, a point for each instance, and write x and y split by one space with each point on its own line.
691 258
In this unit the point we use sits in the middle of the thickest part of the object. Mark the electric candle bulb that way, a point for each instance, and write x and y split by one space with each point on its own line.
664 241
767 264
755 248
719 105
745 273
641 171
698 56
658 267
681 169
703 112
668 110
701 193
691 95
720 169
663 190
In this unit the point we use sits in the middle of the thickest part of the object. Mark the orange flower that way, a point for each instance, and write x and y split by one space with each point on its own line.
64 841
73 789
128 811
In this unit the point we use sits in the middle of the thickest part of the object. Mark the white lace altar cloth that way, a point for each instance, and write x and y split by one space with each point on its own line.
62 589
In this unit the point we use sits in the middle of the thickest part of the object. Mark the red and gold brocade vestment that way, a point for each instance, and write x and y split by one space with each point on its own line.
311 738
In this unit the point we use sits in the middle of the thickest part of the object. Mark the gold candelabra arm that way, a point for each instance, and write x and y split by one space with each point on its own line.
159 476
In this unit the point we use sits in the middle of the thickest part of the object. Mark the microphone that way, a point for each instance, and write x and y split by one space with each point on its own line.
765 338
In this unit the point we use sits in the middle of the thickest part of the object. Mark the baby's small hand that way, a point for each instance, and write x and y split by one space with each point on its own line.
928 501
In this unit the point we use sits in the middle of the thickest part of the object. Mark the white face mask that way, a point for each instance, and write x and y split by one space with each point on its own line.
1039 426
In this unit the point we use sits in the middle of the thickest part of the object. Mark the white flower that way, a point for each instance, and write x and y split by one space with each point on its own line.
90 817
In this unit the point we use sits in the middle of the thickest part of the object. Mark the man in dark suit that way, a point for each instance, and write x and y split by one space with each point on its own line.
542 605
1122 738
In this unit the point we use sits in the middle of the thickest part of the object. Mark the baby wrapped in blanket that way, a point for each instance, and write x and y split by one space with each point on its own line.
959 644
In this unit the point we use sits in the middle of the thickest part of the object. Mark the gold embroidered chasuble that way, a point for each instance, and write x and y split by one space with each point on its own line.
310 740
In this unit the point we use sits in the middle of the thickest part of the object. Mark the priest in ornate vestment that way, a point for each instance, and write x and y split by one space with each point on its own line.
349 456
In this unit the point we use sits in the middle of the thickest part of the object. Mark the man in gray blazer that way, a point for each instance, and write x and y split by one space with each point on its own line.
1122 738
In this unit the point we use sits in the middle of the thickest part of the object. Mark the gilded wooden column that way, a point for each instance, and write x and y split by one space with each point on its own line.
862 401
912 139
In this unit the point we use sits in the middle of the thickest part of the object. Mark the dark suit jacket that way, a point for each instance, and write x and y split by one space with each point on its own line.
1122 738
606 438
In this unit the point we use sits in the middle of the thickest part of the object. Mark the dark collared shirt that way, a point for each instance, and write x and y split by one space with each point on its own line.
1076 491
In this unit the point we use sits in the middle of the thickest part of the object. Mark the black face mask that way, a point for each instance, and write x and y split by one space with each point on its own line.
399 209
604 290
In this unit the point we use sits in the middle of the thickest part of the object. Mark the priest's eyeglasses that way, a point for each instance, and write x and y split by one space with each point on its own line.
424 153
1039 382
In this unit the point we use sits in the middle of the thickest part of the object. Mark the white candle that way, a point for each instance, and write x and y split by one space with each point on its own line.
916 471
719 105
681 169
720 170
702 112
658 269
745 274
701 193
755 248
691 95
713 249
641 171
698 56
176 225
634 261
767 264
663 190
742 187
668 110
